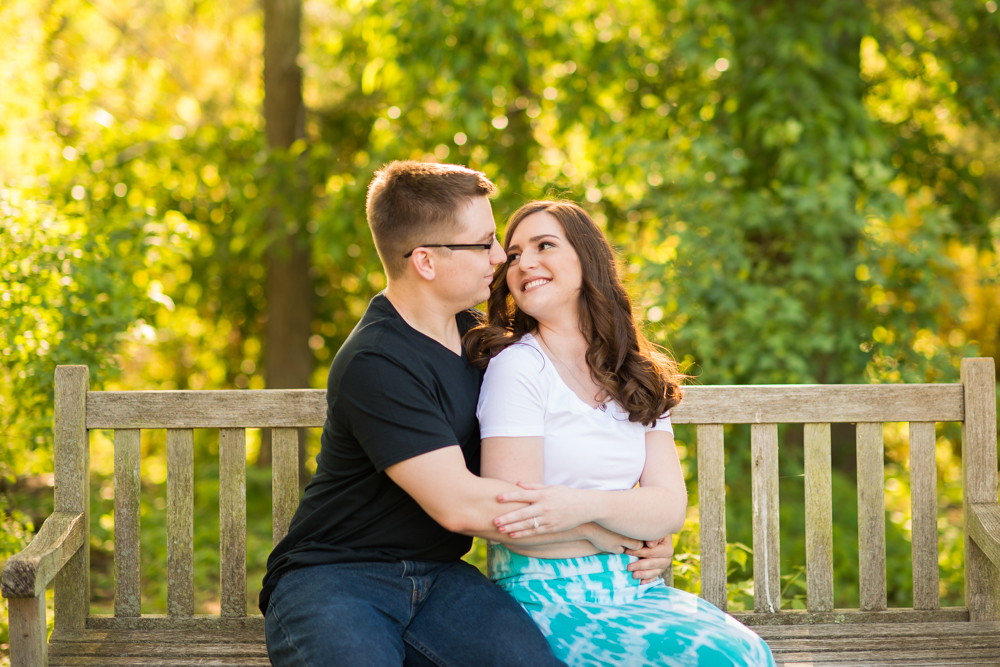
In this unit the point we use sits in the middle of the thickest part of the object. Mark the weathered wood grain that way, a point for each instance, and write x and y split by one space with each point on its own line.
721 404
903 630
712 513
979 482
207 409
983 524
233 520
168 636
27 573
27 631
880 642
848 616
923 516
154 661
284 479
176 650
871 517
197 623
180 522
819 518
127 522
806 404
766 549
71 455
950 657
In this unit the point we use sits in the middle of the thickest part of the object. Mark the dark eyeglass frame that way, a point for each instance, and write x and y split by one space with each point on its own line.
455 246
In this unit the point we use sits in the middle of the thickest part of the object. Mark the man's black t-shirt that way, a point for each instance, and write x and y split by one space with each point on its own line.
393 393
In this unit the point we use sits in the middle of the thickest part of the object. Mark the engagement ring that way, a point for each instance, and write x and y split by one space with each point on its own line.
536 523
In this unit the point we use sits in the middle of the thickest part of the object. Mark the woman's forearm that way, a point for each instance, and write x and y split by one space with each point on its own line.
644 513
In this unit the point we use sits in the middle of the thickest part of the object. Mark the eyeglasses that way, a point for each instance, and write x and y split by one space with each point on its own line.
456 246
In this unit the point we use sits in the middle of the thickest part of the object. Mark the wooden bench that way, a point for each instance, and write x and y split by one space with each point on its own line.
820 635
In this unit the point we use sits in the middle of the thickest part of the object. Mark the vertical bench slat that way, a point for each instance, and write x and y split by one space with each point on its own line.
284 479
233 520
979 482
819 518
180 522
71 455
28 645
923 516
871 516
766 550
712 513
127 549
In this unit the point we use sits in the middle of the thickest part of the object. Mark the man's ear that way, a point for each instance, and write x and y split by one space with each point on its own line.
422 262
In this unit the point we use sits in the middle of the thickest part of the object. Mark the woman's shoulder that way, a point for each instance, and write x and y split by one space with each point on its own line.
522 355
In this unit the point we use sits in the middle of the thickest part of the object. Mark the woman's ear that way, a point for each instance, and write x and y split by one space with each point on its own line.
422 262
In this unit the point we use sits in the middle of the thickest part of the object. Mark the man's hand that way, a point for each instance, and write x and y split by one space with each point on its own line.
654 559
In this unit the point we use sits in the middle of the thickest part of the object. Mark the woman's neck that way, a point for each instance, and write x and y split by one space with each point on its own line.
565 337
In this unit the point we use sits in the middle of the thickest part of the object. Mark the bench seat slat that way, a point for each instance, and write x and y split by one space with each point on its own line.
871 517
180 522
127 519
766 549
233 520
175 650
903 657
155 661
923 516
712 513
819 518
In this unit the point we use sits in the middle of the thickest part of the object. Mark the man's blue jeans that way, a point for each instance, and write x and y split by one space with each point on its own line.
413 613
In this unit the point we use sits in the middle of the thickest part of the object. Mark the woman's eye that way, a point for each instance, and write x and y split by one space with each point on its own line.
546 244
513 256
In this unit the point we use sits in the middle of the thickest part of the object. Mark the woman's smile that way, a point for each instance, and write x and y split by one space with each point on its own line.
536 282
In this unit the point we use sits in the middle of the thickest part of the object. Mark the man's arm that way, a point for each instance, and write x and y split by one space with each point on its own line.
463 503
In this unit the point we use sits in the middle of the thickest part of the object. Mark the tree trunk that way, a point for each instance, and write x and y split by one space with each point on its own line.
288 288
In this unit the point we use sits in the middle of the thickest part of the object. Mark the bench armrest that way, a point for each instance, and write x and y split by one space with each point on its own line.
983 524
29 572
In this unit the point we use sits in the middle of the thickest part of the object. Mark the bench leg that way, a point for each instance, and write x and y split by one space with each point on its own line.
28 645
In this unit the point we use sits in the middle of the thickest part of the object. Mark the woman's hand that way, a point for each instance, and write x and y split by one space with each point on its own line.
610 542
553 509
655 557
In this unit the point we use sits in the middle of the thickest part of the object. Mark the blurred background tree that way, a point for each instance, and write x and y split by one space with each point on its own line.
800 193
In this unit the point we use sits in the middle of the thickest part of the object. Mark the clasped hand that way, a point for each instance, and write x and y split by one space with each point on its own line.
554 509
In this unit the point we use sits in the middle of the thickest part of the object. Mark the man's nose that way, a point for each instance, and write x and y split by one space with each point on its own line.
497 255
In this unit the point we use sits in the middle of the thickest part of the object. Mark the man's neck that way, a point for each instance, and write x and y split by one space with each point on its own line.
429 316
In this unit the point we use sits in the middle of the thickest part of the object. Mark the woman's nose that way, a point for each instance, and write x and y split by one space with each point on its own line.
528 261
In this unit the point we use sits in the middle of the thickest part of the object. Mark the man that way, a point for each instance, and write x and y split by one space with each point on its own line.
371 571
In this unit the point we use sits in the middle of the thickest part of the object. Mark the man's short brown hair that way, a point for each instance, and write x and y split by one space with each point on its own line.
410 203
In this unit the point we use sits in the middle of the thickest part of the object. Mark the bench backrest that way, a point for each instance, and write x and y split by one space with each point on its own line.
972 402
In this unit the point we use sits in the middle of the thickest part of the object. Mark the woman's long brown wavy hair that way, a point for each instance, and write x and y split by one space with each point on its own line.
643 380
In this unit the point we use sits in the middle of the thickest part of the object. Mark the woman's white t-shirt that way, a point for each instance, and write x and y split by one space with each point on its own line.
523 395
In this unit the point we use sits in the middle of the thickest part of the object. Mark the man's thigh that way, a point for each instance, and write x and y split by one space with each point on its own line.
468 620
351 614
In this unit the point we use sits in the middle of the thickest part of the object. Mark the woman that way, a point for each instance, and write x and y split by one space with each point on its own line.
575 409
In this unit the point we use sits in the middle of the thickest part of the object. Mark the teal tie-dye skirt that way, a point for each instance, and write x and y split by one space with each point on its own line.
594 613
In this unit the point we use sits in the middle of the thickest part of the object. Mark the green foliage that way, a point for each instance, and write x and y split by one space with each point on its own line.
65 298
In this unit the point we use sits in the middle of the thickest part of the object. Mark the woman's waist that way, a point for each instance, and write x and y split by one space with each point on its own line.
599 579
